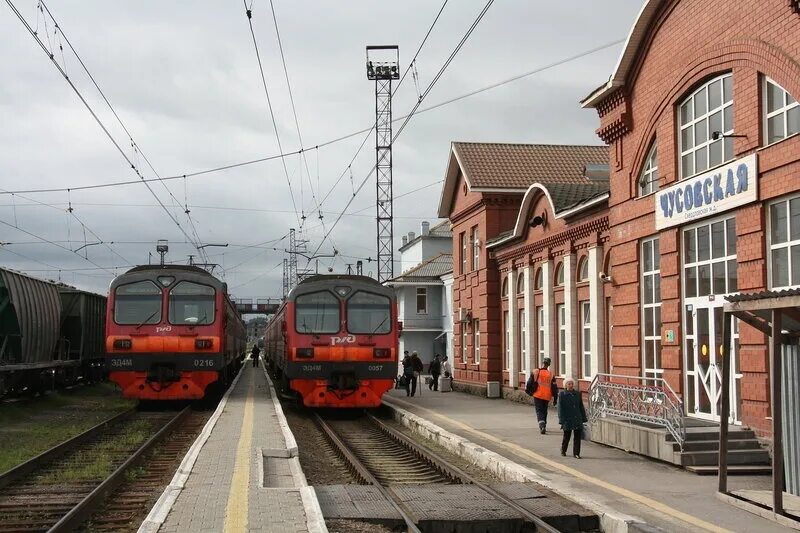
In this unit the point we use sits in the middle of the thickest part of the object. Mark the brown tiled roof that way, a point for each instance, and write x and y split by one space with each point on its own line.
568 195
429 270
517 166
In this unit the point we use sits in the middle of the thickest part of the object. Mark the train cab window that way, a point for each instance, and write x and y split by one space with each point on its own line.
191 304
368 314
317 312
137 303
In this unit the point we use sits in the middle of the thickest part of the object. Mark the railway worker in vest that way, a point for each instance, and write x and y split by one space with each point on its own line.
542 386
254 354
571 417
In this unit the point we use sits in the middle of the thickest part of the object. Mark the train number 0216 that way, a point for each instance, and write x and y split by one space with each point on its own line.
204 363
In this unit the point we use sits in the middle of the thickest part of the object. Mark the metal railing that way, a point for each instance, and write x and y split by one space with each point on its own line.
642 399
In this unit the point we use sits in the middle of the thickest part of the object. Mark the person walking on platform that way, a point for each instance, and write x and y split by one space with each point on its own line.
571 417
542 386
254 354
417 367
408 373
436 371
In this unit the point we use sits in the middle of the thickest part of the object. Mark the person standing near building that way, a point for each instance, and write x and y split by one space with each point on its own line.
435 370
408 373
571 417
542 386
254 354
417 367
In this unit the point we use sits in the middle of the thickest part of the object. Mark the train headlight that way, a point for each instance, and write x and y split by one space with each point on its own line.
381 353
305 352
122 344
203 344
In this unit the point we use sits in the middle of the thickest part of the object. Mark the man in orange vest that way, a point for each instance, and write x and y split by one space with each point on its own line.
542 386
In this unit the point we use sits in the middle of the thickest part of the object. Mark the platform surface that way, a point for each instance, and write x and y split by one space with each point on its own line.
226 489
658 493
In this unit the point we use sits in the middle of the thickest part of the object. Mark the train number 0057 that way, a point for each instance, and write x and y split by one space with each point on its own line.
205 363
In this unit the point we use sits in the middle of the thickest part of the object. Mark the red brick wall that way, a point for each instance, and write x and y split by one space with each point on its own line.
689 42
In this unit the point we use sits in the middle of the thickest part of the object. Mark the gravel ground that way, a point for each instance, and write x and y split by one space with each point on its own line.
356 526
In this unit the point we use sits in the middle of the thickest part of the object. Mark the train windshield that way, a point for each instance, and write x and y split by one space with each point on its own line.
368 314
317 312
138 303
191 304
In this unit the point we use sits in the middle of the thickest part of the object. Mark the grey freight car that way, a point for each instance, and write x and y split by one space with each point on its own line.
83 325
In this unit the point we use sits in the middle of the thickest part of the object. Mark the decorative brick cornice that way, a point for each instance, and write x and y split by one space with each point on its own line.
610 102
615 129
513 253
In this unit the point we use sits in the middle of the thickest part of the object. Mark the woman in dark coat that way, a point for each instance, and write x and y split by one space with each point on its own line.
571 417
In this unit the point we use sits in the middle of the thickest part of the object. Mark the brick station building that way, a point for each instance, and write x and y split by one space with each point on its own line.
701 118
529 224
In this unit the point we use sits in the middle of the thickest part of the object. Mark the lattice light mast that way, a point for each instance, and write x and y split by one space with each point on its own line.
383 67
292 274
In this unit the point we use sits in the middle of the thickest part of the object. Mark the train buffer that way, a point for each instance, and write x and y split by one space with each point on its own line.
261 306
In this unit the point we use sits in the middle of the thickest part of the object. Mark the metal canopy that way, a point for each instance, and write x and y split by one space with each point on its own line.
768 312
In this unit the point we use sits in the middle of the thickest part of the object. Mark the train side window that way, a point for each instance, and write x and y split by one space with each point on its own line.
368 314
317 312
191 304
137 303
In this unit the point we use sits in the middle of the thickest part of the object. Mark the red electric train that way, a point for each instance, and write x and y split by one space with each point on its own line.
334 341
172 333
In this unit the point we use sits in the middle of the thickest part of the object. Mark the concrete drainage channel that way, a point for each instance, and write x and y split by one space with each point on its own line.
372 474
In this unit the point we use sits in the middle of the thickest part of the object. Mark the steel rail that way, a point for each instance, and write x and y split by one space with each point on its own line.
364 473
86 507
465 477
23 469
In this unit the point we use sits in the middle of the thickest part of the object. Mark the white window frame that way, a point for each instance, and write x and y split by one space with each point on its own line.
653 309
422 291
696 120
520 285
476 250
463 238
648 178
476 328
583 266
783 110
561 314
787 245
507 337
523 339
464 339
538 280
559 277
540 338
586 340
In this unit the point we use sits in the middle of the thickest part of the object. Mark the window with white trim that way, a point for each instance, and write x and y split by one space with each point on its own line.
476 328
560 274
781 113
464 338
422 301
651 308
648 179
463 241
523 341
521 283
539 280
784 243
583 269
707 110
476 249
561 312
586 340
507 343
540 334
504 287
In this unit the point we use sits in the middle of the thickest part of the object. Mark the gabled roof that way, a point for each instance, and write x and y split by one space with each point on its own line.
626 58
498 167
442 229
430 270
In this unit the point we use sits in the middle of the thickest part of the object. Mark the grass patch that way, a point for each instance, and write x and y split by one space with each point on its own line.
31 426
98 462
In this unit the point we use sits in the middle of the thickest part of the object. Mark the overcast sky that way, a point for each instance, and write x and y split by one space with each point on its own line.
184 79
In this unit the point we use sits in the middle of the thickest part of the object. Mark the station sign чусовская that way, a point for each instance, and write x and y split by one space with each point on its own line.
715 191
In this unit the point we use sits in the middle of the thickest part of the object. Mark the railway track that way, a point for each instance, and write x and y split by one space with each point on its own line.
381 456
61 488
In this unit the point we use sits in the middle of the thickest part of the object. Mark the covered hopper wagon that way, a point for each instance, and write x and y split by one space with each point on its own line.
50 334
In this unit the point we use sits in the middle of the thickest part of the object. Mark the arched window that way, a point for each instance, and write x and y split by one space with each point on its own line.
781 113
583 269
521 283
538 281
648 179
504 290
560 275
707 110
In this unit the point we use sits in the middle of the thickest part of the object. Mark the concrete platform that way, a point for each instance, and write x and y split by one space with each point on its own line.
627 491
242 473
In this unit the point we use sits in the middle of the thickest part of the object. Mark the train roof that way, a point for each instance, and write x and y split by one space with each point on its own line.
184 272
339 277
314 283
